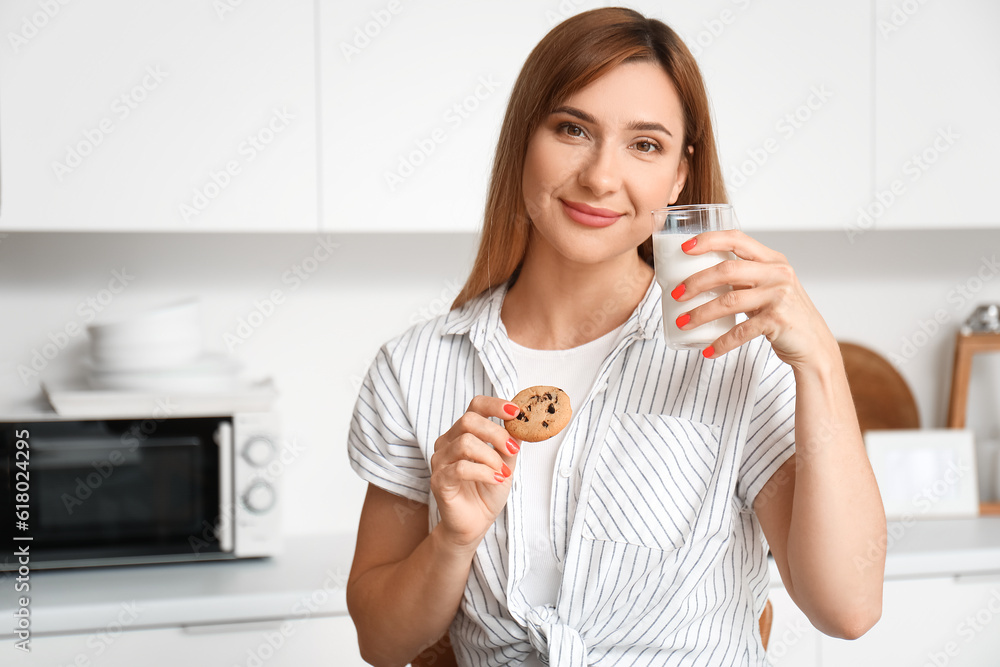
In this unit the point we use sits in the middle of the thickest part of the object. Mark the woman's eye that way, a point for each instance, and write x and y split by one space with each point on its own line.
646 146
573 130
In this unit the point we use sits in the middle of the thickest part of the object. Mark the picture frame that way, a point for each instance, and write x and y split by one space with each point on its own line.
925 473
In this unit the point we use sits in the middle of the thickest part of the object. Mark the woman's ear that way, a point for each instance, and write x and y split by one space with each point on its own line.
682 173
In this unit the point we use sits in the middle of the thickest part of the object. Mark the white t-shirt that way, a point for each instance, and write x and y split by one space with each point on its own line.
573 371
663 559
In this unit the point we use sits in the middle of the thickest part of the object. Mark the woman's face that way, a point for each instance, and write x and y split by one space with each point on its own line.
605 158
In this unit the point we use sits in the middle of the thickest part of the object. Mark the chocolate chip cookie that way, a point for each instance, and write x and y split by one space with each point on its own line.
544 412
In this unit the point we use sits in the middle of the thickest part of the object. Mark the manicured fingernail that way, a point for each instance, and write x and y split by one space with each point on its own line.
511 409
683 319
678 292
505 470
498 477
709 351
512 446
687 245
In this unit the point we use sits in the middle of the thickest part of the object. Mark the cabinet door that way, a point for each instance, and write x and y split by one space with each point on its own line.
157 116
281 643
413 97
793 641
940 621
937 94
791 96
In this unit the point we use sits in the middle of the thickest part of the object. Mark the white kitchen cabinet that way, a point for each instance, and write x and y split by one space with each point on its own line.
936 95
793 641
792 120
327 640
158 116
939 621
413 97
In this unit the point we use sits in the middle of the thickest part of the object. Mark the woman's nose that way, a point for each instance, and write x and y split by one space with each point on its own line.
601 171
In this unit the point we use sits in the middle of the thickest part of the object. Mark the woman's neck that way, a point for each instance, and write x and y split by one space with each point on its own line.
556 304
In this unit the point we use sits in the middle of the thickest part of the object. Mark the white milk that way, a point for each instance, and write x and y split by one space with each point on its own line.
674 266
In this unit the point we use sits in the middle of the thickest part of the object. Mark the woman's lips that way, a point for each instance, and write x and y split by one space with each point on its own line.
588 215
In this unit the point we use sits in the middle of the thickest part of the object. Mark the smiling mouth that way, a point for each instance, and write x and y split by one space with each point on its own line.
588 215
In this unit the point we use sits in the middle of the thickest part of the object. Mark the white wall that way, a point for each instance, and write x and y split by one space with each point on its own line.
318 342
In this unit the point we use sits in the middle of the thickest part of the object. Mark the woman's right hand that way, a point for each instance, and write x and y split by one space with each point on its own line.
471 470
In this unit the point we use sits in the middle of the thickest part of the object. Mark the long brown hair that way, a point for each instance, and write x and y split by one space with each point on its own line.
575 53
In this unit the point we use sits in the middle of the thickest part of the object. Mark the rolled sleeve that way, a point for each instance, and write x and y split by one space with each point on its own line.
381 444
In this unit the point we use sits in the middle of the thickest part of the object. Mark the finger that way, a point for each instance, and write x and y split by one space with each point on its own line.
743 331
731 272
734 241
730 303
464 470
470 448
490 406
491 433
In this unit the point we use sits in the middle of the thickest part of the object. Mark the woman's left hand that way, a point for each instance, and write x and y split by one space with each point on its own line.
766 288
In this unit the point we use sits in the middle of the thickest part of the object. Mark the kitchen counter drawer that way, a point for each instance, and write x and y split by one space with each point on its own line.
278 643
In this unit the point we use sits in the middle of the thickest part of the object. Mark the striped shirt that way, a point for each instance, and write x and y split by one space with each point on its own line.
663 560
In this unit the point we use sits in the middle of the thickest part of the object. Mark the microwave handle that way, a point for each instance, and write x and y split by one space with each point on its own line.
224 526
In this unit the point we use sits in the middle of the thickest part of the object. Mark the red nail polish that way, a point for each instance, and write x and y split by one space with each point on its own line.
505 470
512 446
511 409
498 477
687 245
678 292
709 351
683 319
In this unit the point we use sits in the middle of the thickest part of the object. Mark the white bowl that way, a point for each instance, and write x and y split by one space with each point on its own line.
180 320
208 373
145 356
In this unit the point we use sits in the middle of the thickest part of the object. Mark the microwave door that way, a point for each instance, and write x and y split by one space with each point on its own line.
224 529
114 495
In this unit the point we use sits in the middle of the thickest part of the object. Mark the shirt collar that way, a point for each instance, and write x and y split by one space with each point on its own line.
480 317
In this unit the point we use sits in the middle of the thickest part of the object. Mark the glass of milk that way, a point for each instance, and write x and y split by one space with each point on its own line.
672 226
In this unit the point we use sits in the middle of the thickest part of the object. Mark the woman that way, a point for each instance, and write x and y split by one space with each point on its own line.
639 534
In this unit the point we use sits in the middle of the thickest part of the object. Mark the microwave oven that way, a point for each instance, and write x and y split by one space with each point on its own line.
86 492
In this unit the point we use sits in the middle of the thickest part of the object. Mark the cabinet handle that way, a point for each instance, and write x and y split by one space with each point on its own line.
979 578
237 626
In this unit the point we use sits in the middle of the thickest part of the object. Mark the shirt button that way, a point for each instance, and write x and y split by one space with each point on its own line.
565 471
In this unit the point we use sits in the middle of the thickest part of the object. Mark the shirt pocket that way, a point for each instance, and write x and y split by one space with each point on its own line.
651 480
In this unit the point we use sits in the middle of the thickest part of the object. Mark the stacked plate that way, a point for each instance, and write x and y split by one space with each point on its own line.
159 349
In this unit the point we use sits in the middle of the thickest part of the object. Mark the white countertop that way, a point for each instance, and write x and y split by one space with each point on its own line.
937 547
309 578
